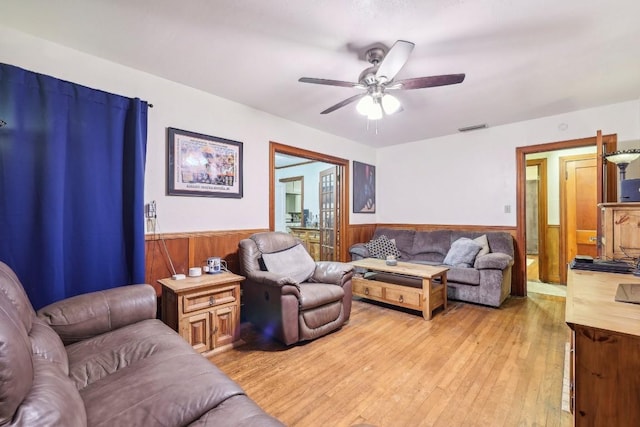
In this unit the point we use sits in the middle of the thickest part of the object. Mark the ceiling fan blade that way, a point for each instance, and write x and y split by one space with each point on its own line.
394 60
343 103
432 81
329 82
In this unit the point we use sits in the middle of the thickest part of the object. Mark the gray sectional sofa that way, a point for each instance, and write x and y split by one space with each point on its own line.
486 280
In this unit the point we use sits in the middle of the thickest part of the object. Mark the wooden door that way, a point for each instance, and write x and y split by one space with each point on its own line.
328 214
579 206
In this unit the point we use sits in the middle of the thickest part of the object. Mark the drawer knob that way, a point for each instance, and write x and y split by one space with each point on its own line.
401 299
212 300
366 291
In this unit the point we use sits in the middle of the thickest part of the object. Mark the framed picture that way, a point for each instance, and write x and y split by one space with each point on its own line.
203 165
364 188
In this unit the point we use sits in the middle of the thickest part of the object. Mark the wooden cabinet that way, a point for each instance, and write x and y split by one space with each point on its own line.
204 310
606 350
310 238
620 230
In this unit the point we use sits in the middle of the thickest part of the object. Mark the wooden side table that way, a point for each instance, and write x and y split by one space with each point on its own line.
204 310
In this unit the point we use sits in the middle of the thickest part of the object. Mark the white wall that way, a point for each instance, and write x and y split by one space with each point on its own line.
469 178
182 107
458 179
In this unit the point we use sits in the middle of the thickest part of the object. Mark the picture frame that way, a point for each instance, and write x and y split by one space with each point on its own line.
364 188
203 165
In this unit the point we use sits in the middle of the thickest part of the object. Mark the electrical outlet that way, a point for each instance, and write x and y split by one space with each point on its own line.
507 208
150 210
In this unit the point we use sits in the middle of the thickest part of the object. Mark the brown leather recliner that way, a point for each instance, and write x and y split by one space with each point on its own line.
288 306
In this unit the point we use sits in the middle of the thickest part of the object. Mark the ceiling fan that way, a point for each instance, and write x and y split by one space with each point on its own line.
379 78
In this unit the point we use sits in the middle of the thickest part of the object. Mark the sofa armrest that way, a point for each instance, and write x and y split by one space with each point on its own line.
87 315
286 284
359 251
333 272
493 261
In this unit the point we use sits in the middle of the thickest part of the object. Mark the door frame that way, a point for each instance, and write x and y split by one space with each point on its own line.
342 182
607 187
543 264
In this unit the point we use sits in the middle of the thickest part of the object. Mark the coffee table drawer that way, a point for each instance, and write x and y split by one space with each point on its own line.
366 288
404 297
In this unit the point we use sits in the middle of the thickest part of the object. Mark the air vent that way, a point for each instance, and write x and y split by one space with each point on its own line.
474 127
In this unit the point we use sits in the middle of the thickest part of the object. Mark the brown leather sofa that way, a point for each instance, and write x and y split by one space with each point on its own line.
284 306
103 359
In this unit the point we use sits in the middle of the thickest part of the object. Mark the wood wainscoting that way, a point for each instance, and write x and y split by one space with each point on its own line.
190 250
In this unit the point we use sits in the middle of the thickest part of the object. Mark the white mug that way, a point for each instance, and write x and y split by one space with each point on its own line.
216 265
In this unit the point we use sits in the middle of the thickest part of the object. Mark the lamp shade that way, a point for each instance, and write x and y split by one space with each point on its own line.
623 156
390 104
375 111
364 105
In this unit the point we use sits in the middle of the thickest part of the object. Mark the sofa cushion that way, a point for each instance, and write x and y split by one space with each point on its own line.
482 241
381 247
468 276
52 401
435 242
294 262
317 294
16 369
47 344
462 253
166 382
403 238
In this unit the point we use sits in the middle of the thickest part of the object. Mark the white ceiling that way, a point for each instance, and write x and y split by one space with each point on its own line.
523 59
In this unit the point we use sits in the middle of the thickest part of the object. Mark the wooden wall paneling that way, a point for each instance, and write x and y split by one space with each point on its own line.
157 262
358 233
552 253
223 244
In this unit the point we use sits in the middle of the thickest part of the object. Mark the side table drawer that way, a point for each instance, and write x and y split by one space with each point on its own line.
366 288
213 297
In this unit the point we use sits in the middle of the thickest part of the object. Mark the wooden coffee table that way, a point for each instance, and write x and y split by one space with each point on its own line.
432 294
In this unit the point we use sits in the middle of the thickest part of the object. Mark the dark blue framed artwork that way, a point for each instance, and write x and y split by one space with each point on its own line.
364 188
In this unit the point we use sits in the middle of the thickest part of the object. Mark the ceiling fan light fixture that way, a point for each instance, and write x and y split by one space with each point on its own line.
375 111
364 105
390 104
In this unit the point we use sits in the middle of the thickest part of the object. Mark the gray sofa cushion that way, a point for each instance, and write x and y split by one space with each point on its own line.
403 238
462 253
468 276
484 242
435 242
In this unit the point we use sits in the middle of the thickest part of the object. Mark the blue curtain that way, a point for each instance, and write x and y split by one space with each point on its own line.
72 165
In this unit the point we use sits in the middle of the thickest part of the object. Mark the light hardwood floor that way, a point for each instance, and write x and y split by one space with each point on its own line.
469 366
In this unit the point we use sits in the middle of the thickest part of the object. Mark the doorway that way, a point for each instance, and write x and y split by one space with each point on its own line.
536 220
330 195
606 191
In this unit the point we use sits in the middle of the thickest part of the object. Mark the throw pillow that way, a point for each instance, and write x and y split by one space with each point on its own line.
381 247
462 253
294 262
482 241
